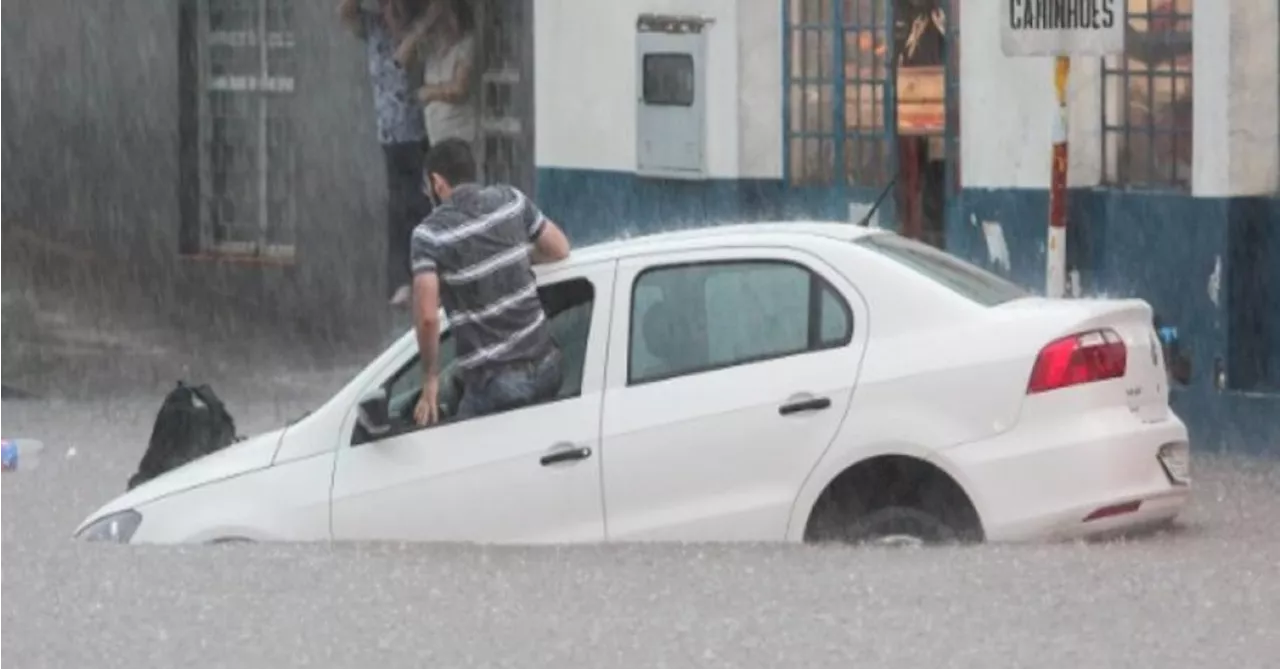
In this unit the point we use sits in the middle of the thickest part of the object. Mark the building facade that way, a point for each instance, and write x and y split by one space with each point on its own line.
814 108
217 159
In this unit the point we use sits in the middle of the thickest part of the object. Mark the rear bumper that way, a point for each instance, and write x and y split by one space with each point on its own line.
1037 485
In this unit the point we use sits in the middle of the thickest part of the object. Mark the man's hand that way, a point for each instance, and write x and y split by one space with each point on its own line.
404 53
349 12
427 94
428 410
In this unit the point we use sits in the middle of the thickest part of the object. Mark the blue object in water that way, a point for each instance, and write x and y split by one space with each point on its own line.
9 454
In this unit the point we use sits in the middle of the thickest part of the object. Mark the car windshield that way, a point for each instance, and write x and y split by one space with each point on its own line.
968 280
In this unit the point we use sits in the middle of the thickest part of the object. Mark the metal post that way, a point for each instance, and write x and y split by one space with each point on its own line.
263 92
1056 253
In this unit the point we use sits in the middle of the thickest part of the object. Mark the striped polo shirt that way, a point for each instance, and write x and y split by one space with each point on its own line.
478 245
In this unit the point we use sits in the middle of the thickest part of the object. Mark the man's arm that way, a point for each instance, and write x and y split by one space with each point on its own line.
417 31
549 242
426 322
426 298
349 12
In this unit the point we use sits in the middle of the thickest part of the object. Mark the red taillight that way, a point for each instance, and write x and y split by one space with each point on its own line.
1081 358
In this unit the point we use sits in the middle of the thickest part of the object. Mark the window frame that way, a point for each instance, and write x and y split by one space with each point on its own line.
1121 169
269 97
387 380
840 152
817 282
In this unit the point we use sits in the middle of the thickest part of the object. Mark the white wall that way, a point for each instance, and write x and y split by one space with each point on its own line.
1240 156
585 82
1254 113
760 97
1008 105
586 95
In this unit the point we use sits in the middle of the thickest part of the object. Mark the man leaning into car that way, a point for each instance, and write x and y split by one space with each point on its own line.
473 254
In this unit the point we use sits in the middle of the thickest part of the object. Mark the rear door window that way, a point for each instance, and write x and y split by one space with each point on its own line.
701 317
968 280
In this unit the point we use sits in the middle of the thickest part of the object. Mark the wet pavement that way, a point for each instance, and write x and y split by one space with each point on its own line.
1206 595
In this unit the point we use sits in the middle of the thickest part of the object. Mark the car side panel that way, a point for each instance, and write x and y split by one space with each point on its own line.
482 479
707 456
285 502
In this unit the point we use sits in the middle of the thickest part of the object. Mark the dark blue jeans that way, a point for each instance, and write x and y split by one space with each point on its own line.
511 387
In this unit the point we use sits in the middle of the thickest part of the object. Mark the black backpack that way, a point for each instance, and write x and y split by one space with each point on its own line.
191 424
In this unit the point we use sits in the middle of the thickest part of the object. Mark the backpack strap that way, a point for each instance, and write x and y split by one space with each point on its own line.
206 395
211 400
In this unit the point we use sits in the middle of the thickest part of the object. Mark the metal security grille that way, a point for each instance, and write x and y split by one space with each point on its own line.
506 92
1147 101
952 100
839 129
247 63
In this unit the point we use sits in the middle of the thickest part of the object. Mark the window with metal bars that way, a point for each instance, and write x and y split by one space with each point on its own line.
1147 100
244 62
835 82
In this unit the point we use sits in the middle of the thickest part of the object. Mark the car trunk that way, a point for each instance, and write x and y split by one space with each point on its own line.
1144 385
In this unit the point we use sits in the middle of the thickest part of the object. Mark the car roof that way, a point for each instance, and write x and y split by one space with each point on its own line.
730 234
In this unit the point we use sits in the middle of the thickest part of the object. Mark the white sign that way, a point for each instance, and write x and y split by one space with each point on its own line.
1062 27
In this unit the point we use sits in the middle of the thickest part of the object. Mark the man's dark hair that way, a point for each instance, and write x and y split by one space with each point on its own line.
452 160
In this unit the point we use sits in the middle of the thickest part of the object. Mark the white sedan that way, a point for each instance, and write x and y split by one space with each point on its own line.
792 381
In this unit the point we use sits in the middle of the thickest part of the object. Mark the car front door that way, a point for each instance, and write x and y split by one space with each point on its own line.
530 475
729 374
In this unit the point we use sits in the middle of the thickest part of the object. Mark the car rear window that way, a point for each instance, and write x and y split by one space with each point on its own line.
964 278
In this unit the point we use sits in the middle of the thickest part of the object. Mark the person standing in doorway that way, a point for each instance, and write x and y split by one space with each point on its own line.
474 254
442 43
382 24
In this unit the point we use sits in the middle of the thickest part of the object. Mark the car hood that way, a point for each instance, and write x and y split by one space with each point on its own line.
239 458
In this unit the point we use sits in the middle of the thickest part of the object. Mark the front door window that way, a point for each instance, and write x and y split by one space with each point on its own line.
568 306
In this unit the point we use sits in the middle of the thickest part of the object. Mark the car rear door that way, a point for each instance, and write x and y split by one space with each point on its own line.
729 373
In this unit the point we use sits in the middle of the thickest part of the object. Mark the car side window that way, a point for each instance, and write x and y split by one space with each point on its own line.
699 317
568 305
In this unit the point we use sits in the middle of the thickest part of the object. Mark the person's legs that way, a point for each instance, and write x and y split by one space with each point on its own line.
474 402
407 205
512 388
548 375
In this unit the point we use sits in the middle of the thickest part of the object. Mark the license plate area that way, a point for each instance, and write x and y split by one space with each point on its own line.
1175 460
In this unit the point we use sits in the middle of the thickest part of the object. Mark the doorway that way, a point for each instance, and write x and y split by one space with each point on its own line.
871 112
925 50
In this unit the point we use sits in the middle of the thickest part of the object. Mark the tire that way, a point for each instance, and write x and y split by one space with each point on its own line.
230 540
899 525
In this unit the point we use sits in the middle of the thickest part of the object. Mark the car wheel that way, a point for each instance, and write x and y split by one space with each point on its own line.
230 540
900 526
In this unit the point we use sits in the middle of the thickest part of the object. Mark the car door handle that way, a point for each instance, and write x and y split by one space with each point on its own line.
565 455
811 404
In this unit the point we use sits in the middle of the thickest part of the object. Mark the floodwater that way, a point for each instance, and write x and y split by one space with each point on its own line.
1205 595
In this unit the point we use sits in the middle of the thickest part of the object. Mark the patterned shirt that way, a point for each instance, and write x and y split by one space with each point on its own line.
478 244
397 107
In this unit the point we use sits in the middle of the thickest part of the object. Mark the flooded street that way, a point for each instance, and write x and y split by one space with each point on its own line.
237 192
1207 595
